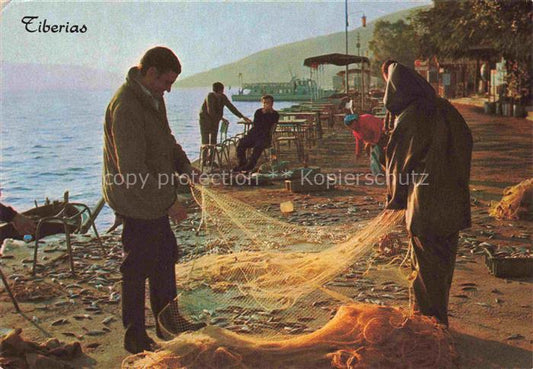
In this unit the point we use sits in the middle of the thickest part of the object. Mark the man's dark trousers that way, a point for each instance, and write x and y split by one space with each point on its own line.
150 251
434 260
258 143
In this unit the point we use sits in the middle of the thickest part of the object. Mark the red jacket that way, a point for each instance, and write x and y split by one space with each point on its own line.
368 128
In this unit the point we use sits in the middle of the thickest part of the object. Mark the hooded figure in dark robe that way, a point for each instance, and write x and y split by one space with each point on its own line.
428 170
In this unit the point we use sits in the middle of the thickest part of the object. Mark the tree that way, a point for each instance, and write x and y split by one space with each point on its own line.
451 28
395 41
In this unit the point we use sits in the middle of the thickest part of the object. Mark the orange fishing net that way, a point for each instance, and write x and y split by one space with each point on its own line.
517 202
360 336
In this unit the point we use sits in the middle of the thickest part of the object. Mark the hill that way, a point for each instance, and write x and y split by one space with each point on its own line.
277 64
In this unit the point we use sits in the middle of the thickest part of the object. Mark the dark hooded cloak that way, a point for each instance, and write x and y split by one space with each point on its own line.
428 156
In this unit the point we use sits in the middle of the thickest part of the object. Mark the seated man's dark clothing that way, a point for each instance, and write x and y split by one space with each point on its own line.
259 137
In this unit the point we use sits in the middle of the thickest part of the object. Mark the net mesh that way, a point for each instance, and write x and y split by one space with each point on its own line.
265 285
358 337
517 202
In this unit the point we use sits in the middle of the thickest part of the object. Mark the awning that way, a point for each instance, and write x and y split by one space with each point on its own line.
335 59
352 71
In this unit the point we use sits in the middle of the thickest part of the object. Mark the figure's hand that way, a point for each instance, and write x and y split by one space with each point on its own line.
247 120
23 224
177 212
368 149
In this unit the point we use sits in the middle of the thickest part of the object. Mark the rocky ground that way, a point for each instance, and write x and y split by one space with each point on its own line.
490 317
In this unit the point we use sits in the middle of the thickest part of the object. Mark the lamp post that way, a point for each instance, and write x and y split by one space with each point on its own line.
346 39
362 70
346 24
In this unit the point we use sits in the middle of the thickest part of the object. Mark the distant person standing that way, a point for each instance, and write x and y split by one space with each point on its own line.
428 170
212 112
259 136
141 157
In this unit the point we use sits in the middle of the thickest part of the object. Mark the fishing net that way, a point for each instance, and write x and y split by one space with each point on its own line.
358 337
268 290
517 202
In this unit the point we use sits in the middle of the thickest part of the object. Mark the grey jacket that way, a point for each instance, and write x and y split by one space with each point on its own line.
140 154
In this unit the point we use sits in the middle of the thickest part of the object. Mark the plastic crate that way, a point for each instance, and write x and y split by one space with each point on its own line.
509 267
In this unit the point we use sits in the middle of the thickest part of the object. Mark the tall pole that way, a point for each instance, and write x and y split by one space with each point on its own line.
362 70
346 38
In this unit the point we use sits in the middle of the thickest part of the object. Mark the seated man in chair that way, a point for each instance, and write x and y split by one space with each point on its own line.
259 137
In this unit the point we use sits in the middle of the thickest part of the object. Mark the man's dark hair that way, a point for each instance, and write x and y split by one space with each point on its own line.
162 58
218 87
385 66
268 97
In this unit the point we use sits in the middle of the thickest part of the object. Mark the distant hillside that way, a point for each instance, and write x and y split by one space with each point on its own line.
276 64
38 77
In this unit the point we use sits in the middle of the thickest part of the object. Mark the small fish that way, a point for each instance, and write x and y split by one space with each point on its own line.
515 337
93 345
81 317
461 296
108 320
61 321
95 333
70 334
245 329
292 330
218 320
468 284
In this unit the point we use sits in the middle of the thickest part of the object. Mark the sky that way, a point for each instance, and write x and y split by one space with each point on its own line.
203 34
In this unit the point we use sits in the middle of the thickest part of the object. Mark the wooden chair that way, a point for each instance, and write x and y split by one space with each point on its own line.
216 155
289 133
73 218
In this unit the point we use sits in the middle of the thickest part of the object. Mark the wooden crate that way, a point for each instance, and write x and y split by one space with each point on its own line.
509 267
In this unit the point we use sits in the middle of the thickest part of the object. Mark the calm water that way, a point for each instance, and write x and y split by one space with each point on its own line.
51 141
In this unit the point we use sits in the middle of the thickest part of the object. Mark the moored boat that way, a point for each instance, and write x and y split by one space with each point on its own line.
294 90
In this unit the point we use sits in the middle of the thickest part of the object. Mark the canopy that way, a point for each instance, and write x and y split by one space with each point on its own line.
335 59
352 71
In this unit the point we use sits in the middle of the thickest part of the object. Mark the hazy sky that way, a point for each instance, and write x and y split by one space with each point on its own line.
203 34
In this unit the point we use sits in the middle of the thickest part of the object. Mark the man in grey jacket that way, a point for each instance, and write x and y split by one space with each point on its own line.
141 157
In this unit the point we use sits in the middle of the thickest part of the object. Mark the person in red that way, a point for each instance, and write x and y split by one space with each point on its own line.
369 129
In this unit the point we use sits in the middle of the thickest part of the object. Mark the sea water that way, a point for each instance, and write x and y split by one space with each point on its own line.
51 142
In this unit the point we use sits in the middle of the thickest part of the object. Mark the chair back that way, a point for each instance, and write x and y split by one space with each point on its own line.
223 130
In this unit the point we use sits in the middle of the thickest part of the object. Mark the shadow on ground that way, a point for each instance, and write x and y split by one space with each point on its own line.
476 353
